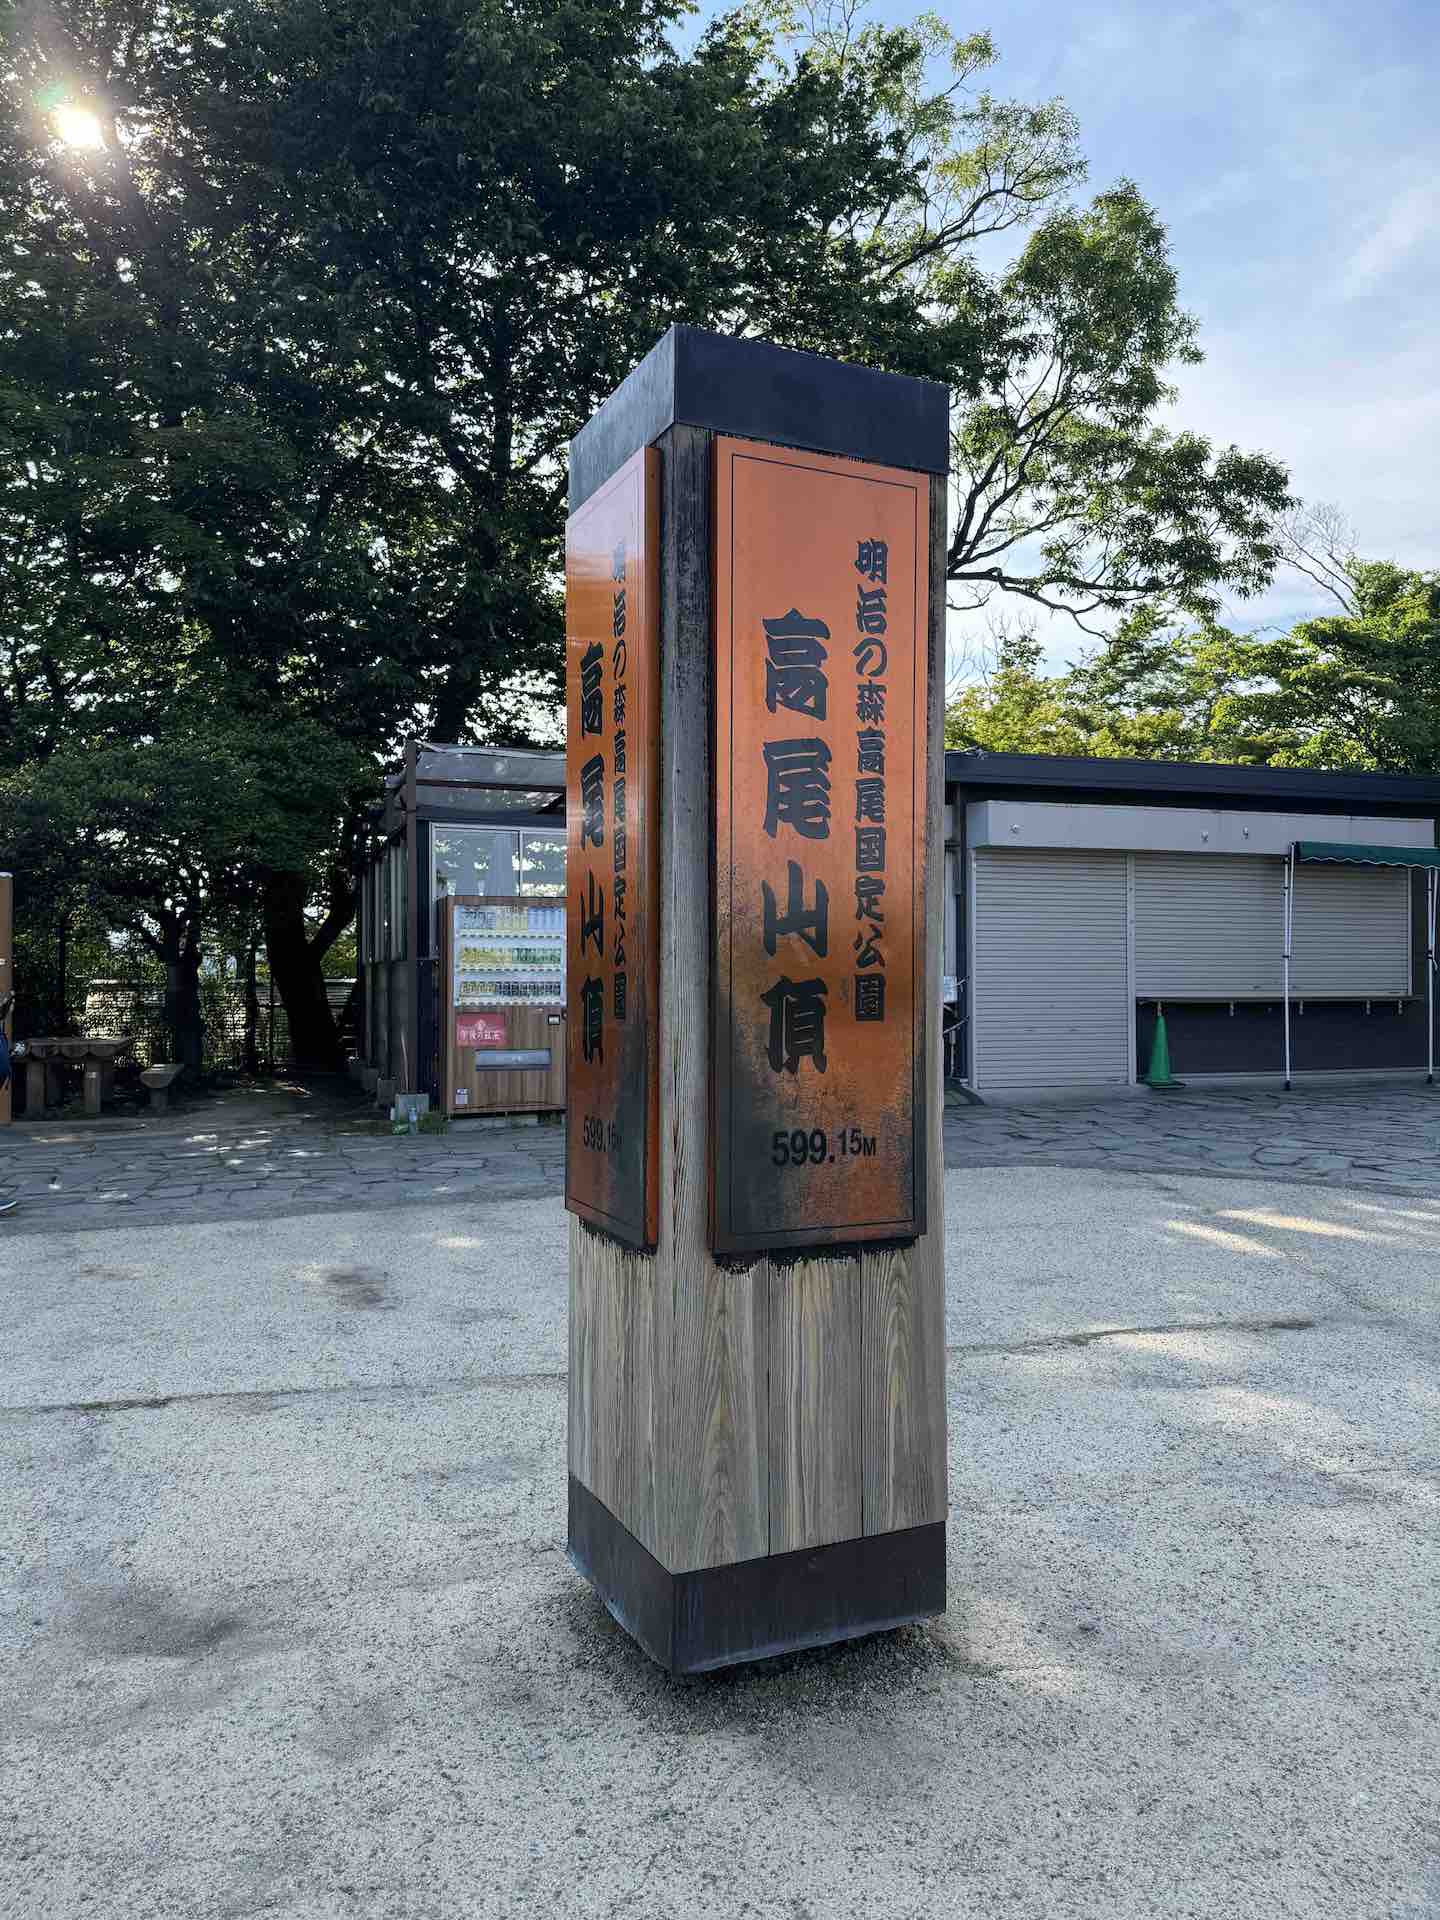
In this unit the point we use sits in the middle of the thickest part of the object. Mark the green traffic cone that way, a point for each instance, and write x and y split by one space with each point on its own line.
1160 1078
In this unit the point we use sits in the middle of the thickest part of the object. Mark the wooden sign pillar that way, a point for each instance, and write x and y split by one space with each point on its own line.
755 649
7 980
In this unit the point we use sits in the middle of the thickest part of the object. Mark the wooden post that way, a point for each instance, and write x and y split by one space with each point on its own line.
757 1393
411 1077
7 978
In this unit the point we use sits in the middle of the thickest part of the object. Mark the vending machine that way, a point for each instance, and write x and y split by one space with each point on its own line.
502 962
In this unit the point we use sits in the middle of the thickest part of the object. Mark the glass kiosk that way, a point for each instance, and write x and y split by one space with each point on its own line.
465 830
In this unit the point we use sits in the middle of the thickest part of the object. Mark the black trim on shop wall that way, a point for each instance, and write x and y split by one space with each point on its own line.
1069 778
1327 1036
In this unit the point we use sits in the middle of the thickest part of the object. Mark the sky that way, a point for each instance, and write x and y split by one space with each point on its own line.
1293 151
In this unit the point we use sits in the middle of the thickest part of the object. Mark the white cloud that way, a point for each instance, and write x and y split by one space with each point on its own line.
1411 221
1358 421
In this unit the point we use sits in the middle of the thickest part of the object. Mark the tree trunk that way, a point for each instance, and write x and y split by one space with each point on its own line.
252 1006
295 967
63 945
191 1021
182 996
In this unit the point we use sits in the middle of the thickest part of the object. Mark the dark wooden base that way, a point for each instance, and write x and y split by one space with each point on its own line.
720 1616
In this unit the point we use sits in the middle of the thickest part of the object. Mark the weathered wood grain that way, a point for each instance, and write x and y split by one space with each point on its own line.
613 1397
903 1289
902 1345
581 1403
718 1490
815 1411
709 1324
625 1431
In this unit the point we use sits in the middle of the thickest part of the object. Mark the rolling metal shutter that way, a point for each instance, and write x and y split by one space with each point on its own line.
1351 932
1212 926
1208 924
1052 1003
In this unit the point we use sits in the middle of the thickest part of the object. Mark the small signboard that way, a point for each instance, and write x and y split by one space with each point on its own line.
821 691
480 1030
612 872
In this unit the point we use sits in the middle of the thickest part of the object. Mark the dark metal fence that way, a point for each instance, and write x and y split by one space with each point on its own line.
138 1009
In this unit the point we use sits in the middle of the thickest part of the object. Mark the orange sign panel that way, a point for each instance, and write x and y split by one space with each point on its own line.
821 691
612 869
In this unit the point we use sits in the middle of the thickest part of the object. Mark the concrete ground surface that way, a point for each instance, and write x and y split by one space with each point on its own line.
287 1627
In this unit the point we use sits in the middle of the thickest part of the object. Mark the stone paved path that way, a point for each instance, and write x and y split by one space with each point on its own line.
1386 1138
70 1176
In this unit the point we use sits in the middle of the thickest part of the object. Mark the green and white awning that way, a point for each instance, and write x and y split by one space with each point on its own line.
1340 850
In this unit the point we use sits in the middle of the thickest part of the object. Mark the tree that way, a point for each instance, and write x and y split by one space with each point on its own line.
1068 492
164 838
1150 693
1318 540
1357 690
295 348
290 355
806 179
1012 706
172 523
499 210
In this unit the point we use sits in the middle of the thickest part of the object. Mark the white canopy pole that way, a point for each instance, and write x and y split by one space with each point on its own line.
1289 922
1430 977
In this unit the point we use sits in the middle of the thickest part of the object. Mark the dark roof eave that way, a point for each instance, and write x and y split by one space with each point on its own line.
1199 783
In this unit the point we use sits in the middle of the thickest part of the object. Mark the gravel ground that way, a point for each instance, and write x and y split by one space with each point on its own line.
287 1628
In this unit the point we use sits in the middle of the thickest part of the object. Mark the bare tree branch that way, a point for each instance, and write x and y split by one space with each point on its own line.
1317 539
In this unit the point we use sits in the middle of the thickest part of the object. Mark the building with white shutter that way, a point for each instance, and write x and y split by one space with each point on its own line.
1280 919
